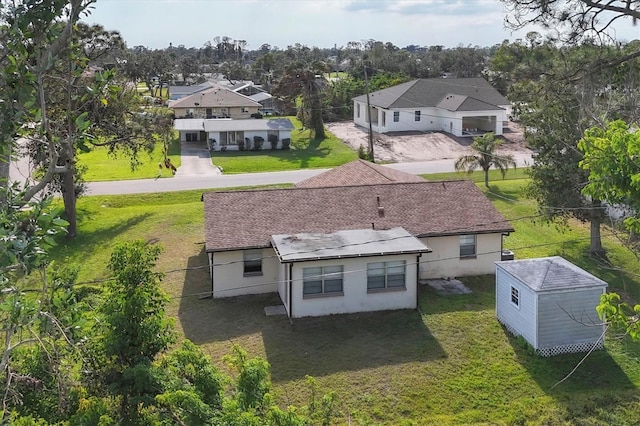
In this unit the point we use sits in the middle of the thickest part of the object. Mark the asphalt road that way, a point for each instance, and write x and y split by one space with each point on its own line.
185 181
180 183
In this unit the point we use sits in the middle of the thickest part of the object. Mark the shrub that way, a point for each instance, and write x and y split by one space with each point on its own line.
257 143
286 143
241 145
273 139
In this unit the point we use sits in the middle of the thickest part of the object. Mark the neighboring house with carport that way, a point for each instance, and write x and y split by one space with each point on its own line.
262 241
460 106
232 135
216 102
551 303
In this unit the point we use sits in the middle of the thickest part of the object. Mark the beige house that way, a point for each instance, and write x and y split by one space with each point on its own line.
349 248
216 102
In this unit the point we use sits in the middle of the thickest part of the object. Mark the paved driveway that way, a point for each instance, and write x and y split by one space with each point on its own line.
196 161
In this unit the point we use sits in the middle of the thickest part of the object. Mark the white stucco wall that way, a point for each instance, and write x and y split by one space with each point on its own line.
355 297
283 134
229 279
445 259
431 119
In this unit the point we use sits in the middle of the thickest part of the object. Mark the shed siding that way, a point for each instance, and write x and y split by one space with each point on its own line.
229 279
445 260
355 297
521 321
562 316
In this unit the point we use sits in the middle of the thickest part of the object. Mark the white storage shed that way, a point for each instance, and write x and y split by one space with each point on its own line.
551 303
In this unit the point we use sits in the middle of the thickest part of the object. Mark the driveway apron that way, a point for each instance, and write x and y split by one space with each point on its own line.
196 161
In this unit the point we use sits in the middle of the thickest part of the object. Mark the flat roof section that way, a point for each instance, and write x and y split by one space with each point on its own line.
348 243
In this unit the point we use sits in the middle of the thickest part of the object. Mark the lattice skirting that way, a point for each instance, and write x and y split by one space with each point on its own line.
557 350
569 349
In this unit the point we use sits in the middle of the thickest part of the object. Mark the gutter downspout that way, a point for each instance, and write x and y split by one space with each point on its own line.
418 280
211 271
290 296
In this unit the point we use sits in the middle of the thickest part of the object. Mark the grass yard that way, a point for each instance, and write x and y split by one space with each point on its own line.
448 363
305 153
103 167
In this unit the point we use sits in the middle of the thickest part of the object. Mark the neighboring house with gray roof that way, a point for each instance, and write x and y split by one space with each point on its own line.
179 92
222 134
460 106
215 102
551 303
341 249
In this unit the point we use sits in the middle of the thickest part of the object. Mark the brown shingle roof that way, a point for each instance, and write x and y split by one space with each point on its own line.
358 172
243 219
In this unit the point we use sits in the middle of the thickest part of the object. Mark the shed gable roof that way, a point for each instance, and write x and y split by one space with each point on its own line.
358 172
429 92
550 273
236 220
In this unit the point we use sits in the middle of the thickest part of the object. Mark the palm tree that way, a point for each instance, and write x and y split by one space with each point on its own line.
485 157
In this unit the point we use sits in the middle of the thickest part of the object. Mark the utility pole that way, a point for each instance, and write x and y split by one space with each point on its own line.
368 116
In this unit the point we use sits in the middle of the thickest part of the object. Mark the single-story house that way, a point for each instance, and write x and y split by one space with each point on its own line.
551 303
460 106
216 102
251 236
232 135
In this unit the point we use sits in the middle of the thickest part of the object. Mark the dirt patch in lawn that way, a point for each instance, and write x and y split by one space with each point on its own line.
421 146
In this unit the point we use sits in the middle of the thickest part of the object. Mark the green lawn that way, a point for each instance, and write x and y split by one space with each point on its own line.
305 153
448 363
104 167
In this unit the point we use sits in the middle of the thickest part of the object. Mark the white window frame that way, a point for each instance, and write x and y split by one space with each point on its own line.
417 115
384 119
515 297
252 262
357 110
389 272
465 242
244 110
327 277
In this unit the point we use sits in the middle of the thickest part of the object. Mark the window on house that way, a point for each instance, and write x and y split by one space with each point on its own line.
358 110
209 112
191 137
322 280
231 138
253 262
190 112
245 109
396 116
515 296
417 116
384 119
381 275
467 246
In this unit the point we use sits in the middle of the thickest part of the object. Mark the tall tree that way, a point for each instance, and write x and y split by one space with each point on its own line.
305 81
485 157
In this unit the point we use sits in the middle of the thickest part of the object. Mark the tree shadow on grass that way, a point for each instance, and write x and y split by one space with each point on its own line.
205 320
596 385
320 346
101 239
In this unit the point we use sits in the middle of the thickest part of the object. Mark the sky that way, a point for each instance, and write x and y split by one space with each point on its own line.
322 23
